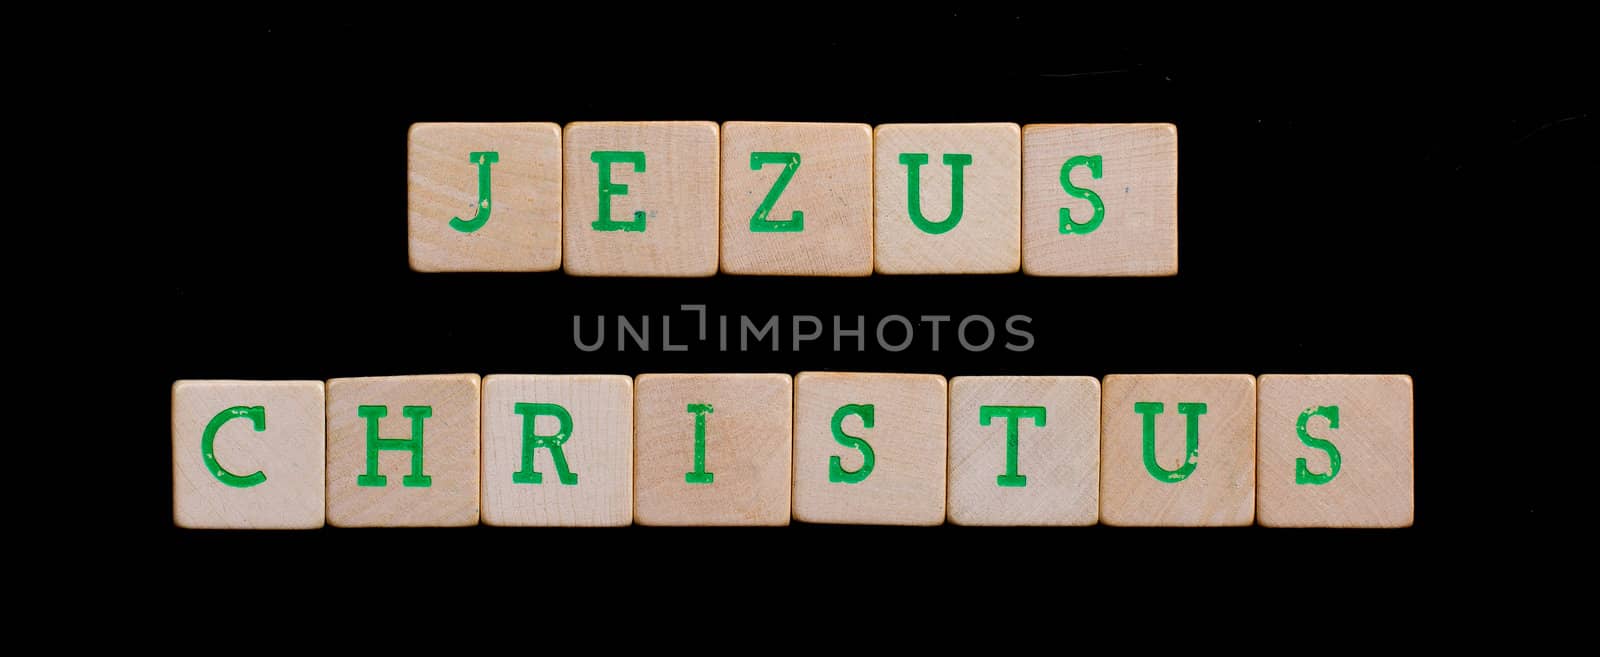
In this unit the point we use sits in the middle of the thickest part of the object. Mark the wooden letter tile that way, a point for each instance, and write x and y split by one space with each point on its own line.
1024 450
1101 200
484 196
1178 450
962 211
870 448
641 198
712 449
247 454
797 198
557 450
1335 451
403 451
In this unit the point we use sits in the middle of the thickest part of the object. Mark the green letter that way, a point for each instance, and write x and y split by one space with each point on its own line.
836 471
1012 414
483 160
1191 440
413 444
1068 226
258 418
914 190
531 442
608 189
761 221
1302 474
699 474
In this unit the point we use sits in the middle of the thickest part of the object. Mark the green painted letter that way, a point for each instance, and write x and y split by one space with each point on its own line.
483 160
1302 474
1012 414
532 441
913 162
762 221
413 444
258 418
836 471
608 189
1068 226
1191 439
699 474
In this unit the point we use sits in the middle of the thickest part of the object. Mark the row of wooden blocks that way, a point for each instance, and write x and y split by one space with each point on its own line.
680 198
821 447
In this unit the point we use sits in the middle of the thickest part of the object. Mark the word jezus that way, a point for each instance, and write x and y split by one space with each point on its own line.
1281 450
691 198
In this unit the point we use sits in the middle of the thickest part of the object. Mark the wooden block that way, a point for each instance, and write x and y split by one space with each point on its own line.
1024 450
403 451
247 454
641 198
484 196
1307 420
557 450
712 449
1120 215
899 418
797 198
985 236
1197 468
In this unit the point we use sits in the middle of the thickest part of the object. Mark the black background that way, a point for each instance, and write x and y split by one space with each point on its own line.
1411 183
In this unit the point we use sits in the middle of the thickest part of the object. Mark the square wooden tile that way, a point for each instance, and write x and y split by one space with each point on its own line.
1024 450
899 418
641 198
742 422
484 196
247 454
985 236
426 448
818 172
1119 217
1305 420
1171 479
572 465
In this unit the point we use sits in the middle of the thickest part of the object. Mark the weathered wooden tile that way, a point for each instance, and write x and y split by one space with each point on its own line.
797 198
949 198
712 449
869 448
1334 451
484 196
247 454
1024 450
403 451
1100 200
641 198
557 450
1178 450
